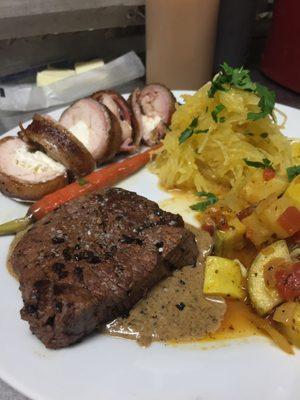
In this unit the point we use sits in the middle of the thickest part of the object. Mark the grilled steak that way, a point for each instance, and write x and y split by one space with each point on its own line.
92 259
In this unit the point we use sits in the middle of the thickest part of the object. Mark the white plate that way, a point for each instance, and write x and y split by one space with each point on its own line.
108 368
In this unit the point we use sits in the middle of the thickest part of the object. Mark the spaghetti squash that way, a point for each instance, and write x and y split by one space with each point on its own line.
218 135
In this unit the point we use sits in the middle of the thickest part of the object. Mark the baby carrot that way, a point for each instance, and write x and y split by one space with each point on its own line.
100 179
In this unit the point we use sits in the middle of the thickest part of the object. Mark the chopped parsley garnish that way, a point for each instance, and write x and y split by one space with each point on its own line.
187 133
216 111
201 131
266 163
237 77
82 181
202 206
292 172
240 79
266 103
194 123
264 135
191 130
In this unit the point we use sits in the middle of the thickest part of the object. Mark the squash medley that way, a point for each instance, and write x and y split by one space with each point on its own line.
226 145
273 280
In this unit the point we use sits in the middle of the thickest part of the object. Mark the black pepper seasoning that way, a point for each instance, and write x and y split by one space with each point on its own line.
180 306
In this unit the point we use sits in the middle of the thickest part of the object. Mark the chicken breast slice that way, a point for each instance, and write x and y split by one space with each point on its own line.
152 107
95 127
28 175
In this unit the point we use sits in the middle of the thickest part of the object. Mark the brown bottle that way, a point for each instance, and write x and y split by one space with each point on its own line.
180 40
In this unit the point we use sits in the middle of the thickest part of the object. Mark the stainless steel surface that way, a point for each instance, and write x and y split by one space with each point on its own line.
34 33
7 393
72 20
14 8
30 53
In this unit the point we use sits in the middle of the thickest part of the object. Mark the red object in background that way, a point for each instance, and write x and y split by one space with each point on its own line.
281 58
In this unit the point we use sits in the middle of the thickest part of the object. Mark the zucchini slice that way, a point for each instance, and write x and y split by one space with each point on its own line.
263 298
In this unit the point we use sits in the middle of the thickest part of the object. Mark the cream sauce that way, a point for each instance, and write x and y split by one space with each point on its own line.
175 309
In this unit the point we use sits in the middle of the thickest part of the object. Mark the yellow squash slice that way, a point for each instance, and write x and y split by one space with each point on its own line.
223 277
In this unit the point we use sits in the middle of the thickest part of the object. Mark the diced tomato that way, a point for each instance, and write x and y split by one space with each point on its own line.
217 215
269 174
223 224
271 268
289 220
288 282
293 241
246 212
209 226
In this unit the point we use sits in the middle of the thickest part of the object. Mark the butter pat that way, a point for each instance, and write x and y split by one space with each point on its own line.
87 66
47 77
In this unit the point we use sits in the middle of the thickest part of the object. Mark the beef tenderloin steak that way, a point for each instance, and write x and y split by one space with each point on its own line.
92 259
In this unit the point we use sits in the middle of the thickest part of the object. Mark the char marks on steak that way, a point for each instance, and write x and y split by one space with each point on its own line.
92 259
